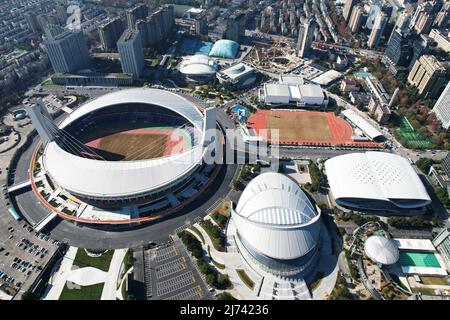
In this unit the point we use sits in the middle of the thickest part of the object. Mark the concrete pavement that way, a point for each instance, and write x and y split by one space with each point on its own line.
112 277
58 279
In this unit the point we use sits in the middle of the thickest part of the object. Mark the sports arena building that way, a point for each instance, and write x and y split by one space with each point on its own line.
130 145
277 229
198 68
376 181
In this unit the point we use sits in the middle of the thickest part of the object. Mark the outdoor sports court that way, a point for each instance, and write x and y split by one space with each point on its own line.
305 128
412 137
418 259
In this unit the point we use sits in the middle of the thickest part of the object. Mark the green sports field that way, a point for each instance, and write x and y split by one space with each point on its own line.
413 138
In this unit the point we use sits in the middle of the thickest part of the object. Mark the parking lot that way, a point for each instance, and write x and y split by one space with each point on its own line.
23 254
171 276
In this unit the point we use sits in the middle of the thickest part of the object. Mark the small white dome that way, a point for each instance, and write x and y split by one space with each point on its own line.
381 250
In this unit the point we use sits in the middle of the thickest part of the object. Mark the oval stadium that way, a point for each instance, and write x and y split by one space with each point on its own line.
130 145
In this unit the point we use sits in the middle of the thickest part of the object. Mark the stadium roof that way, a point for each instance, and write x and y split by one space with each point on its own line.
198 65
167 99
276 218
238 70
327 78
224 49
362 124
121 179
375 176
381 250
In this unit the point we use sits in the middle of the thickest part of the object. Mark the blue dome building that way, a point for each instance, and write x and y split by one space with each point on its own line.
224 49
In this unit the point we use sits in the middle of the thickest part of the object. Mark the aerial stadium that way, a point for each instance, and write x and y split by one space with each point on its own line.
276 226
376 181
127 147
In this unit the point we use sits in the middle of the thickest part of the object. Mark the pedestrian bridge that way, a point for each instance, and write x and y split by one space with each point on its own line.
19 186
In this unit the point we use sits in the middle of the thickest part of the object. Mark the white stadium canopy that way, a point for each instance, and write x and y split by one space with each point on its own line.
375 180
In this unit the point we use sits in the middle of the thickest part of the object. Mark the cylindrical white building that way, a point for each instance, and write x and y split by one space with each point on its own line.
277 226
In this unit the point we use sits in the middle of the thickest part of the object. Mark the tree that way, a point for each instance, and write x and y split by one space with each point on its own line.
424 164
211 279
442 195
223 281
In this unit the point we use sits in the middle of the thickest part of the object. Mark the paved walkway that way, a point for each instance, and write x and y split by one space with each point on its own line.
60 274
328 265
112 277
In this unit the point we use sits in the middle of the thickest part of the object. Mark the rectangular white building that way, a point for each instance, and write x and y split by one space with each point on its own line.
300 95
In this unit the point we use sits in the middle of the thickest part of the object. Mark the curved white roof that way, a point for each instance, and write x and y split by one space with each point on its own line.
275 199
120 179
166 99
381 250
198 65
276 218
376 175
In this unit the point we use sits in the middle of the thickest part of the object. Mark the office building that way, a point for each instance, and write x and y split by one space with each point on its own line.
305 37
68 52
131 53
398 51
377 30
428 75
110 33
442 108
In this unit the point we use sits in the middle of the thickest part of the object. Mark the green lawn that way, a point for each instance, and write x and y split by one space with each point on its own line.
93 292
83 260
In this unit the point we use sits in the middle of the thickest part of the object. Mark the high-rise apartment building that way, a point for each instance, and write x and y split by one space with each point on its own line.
305 37
377 30
110 33
428 75
68 52
131 53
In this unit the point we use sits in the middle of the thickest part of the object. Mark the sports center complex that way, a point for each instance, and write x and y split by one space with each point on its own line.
130 156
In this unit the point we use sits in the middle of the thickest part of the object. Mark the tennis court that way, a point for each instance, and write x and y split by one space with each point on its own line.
192 46
418 259
413 138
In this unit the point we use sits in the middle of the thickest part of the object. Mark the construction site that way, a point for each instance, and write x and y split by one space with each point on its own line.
274 54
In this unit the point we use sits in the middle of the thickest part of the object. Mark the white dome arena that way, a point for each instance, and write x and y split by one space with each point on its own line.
133 177
277 224
381 250
198 68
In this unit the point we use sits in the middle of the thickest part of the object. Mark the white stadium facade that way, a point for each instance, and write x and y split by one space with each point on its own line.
70 166
277 227
376 181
